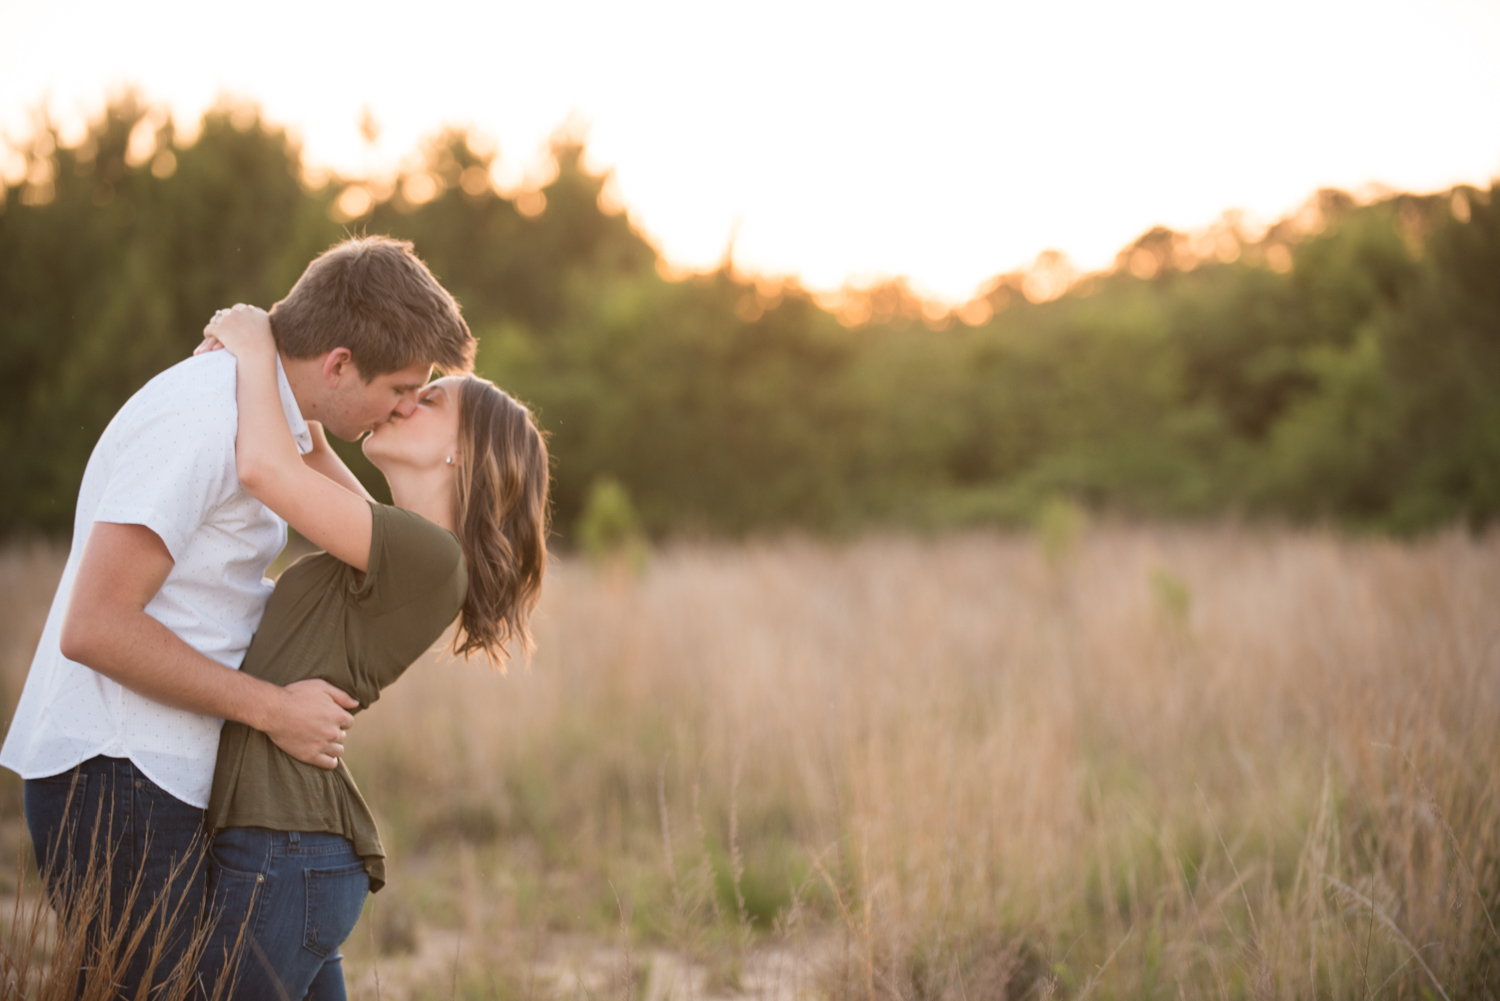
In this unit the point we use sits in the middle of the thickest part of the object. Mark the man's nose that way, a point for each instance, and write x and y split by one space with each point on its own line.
406 406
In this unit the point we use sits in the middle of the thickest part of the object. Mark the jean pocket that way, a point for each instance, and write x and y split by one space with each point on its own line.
61 795
334 900
64 780
234 855
234 901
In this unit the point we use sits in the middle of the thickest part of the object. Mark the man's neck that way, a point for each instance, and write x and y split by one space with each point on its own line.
305 377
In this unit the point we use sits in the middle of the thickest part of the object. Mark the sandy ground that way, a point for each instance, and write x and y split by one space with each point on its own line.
566 966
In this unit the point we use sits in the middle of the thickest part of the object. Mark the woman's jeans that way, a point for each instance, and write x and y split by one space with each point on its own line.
282 902
109 840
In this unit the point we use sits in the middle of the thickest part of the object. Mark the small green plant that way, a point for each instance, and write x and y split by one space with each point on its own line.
609 530
1060 524
1173 595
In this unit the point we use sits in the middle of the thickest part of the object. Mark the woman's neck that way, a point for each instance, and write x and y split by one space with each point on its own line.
427 494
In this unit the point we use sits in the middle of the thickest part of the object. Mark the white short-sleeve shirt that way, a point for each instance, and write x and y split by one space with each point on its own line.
166 461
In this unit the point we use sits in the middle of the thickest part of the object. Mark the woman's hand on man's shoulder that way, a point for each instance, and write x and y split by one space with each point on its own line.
240 330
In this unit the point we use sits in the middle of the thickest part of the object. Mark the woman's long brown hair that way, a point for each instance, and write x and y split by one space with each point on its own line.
501 514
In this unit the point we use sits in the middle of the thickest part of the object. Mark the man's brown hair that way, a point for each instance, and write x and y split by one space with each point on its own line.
374 296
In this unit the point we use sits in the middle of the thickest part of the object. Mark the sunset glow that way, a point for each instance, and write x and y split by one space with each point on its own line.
835 141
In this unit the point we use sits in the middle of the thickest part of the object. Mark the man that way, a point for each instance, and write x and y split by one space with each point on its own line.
117 729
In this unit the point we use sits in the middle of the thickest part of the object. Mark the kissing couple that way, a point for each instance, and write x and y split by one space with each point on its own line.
182 728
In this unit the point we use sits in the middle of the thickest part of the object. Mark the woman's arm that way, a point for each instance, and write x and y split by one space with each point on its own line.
265 456
327 462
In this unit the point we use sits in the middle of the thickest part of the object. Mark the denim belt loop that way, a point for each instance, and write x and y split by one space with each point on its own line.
294 838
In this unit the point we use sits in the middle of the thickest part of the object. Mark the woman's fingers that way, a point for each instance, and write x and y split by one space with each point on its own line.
210 342
239 311
218 317
241 328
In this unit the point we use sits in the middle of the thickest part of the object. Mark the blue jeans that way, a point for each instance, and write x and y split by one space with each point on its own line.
105 815
287 900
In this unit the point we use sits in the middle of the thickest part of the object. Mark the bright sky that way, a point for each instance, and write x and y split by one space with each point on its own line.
946 141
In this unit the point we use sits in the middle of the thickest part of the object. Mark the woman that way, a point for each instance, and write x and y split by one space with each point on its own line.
294 848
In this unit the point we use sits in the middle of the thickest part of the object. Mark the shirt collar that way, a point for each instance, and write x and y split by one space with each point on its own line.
300 433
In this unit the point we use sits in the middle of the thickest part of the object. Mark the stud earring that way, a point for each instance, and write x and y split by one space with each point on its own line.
449 460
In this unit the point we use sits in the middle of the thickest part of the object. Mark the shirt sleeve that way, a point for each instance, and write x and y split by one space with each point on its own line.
172 467
409 557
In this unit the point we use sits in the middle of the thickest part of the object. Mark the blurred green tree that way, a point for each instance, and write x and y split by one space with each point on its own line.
111 270
1345 364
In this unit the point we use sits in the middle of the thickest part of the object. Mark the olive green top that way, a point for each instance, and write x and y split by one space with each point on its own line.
358 632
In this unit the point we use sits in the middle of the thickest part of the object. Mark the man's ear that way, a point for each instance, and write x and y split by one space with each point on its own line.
338 364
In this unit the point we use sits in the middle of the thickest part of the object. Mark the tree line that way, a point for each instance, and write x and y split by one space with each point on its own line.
1343 365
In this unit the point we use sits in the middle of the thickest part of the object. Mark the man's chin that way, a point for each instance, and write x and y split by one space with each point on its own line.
347 434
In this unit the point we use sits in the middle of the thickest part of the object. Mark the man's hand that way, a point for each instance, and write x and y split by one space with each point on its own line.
107 629
311 722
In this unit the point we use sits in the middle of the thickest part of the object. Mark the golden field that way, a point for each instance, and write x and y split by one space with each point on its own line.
1109 761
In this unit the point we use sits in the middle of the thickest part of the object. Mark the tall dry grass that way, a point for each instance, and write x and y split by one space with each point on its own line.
1237 762
1215 762
74 944
29 572
80 941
